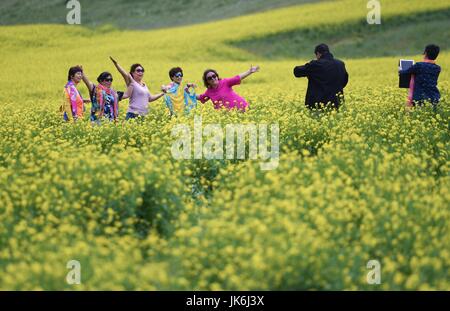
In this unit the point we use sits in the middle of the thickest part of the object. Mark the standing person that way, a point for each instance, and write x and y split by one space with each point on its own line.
327 78
104 99
72 107
137 91
221 92
424 78
178 98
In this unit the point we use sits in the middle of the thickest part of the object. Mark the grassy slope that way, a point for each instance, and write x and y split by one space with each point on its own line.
199 42
48 50
136 14
405 34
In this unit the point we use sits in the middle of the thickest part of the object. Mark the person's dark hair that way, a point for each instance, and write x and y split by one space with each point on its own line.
174 71
205 81
134 67
322 49
73 71
103 76
432 51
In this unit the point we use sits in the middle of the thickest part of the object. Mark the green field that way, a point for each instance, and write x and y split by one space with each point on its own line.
135 14
368 182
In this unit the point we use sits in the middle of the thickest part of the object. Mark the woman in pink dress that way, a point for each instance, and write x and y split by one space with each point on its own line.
221 92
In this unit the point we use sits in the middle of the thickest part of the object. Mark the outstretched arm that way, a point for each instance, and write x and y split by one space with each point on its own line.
302 71
252 70
203 98
152 98
126 76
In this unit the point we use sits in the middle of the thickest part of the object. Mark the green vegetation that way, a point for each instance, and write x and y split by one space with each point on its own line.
406 34
135 14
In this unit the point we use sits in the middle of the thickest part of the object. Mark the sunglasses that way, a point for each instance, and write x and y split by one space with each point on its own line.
179 75
212 77
140 70
108 80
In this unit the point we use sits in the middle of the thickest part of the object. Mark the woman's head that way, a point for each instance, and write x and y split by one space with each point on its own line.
176 74
105 79
211 78
137 72
75 74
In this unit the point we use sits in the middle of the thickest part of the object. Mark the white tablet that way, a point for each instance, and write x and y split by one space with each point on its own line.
405 64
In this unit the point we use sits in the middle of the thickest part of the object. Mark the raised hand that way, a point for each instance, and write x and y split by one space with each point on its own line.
249 72
81 66
254 69
86 80
126 76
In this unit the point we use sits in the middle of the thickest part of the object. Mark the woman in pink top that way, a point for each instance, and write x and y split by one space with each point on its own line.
137 91
220 91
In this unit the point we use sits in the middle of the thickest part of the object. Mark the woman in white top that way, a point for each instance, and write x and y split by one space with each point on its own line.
137 90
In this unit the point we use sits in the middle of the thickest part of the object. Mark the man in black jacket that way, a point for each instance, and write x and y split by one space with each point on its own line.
327 78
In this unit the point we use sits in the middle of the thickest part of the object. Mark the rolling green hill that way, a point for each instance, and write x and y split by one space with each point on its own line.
134 14
397 35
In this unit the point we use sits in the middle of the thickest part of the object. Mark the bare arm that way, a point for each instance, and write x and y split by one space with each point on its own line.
128 92
158 96
126 76
86 81
252 70
202 98
155 97
188 87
